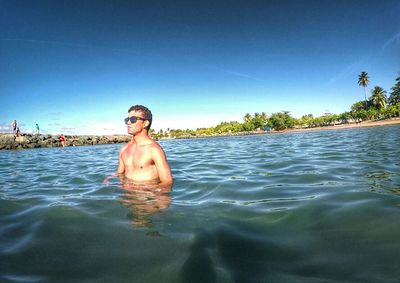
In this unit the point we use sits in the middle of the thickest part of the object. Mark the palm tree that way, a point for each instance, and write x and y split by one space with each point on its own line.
363 80
378 97
247 118
395 94
264 115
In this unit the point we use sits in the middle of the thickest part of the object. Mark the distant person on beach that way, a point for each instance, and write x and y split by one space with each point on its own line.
17 132
62 140
37 129
14 126
142 159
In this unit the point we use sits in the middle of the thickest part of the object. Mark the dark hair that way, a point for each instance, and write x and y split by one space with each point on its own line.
145 111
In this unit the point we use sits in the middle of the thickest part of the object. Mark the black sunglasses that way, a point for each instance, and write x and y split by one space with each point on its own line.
133 119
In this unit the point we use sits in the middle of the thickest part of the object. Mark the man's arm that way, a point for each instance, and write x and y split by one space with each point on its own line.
121 165
160 161
120 169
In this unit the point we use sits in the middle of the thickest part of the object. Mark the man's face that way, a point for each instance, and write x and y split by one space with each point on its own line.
138 126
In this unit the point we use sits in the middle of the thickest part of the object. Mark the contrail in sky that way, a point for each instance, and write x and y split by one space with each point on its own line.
236 73
347 71
62 43
394 39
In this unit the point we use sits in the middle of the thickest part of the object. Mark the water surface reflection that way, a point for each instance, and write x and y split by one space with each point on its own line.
143 200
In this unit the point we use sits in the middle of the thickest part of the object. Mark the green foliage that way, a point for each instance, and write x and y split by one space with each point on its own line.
305 120
330 119
372 113
378 97
325 120
247 118
252 123
281 121
363 79
361 115
360 105
228 127
259 121
182 133
394 97
345 117
392 111
248 126
205 131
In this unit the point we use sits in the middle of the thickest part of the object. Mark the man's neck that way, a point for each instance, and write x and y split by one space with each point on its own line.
141 138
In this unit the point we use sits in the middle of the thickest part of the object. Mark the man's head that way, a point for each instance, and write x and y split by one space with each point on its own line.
144 116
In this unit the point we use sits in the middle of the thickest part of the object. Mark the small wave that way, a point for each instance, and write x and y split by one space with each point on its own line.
16 237
22 278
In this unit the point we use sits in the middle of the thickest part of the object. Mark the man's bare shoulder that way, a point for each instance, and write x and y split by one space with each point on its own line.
124 147
155 147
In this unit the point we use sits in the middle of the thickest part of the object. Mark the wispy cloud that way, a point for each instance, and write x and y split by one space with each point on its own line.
44 42
238 74
28 131
5 128
99 128
54 124
243 75
60 43
349 70
68 130
55 116
56 113
393 40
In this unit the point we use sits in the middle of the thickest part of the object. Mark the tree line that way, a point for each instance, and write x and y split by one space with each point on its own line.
376 107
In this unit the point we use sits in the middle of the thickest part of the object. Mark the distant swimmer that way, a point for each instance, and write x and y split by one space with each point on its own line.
143 159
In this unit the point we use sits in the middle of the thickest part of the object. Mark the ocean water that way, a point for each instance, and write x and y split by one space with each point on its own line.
299 207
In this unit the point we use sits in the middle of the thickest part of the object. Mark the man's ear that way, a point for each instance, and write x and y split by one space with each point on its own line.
146 123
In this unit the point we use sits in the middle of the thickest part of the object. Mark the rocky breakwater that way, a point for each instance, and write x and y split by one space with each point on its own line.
9 141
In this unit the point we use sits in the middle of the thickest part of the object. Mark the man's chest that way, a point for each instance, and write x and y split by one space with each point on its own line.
137 158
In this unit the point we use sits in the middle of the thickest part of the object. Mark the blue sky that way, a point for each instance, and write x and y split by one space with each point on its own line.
75 67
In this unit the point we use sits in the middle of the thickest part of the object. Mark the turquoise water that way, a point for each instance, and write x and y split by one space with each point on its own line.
299 207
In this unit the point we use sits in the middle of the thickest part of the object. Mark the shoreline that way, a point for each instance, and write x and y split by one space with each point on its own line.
364 124
26 141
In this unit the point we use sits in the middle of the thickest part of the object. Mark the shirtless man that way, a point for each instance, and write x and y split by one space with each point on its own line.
14 126
143 160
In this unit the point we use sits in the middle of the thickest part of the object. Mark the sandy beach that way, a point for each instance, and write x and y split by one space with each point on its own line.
363 124
346 126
